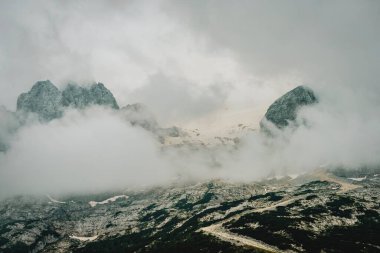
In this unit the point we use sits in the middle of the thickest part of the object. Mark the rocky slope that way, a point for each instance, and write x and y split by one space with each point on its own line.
312 213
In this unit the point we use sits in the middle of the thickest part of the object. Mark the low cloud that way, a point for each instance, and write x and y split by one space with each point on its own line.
86 151
98 150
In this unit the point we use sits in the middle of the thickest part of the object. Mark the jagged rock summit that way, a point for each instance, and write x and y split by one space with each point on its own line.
284 109
48 102
80 97
44 99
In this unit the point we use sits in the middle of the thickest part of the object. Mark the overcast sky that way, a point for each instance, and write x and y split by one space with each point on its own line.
252 51
192 59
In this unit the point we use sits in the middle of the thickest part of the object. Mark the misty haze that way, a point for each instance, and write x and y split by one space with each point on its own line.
189 126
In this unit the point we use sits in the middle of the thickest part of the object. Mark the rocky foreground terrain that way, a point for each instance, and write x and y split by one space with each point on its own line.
318 212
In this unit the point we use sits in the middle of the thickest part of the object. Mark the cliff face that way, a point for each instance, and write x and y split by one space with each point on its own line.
284 109
48 102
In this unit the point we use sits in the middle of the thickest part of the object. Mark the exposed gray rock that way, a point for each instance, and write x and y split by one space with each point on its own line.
284 109
81 97
75 96
100 95
44 99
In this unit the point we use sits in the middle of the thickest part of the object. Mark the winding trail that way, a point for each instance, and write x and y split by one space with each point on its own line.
218 231
345 186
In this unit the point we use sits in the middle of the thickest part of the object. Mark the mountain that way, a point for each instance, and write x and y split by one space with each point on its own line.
44 99
48 102
284 109
81 97
100 95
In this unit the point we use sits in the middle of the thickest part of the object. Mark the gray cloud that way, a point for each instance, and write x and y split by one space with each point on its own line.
328 41
120 43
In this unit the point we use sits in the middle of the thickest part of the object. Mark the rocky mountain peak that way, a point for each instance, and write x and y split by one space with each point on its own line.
44 98
48 102
100 95
80 97
75 96
285 108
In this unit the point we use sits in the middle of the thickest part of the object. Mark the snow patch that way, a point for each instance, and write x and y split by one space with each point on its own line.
83 238
357 178
54 200
113 199
293 176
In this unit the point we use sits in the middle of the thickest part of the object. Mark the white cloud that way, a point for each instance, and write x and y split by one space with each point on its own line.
87 151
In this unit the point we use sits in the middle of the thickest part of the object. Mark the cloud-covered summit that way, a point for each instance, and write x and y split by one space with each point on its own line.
284 110
48 102
81 97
